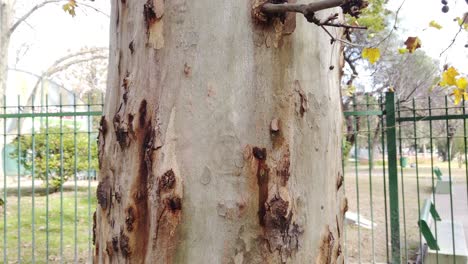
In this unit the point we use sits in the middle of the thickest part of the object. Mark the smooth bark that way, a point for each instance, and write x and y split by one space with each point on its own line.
221 138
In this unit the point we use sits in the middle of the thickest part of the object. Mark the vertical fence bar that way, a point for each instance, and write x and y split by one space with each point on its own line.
356 168
393 176
369 153
75 172
89 180
417 177
47 176
33 168
432 169
465 145
343 165
449 156
61 179
5 190
384 179
403 200
19 179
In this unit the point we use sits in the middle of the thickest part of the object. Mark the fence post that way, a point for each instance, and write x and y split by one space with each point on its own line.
392 175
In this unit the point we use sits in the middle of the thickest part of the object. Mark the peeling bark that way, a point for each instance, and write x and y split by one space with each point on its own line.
220 137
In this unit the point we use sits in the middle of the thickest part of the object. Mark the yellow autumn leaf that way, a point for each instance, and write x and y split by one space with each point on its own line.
69 7
402 50
435 24
462 23
371 54
462 83
350 90
448 77
460 94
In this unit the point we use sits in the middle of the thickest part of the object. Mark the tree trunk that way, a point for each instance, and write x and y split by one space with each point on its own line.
221 138
6 15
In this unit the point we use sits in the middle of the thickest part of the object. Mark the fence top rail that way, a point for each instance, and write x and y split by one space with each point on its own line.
58 114
431 118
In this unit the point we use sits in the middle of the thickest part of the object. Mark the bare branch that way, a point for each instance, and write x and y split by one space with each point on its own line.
453 40
304 9
351 65
394 25
79 53
333 39
29 13
342 25
42 4
57 69
93 8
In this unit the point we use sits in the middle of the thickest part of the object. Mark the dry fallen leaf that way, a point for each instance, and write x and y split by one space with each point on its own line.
412 43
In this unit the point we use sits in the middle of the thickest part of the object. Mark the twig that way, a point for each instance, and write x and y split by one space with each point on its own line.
453 40
342 25
340 40
394 25
94 8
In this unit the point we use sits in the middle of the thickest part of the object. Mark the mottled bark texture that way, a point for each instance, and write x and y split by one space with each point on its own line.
221 137
6 15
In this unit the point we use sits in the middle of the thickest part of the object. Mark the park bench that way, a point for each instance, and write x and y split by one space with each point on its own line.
441 245
443 183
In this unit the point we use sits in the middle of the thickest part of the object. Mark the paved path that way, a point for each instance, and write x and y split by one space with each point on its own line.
460 205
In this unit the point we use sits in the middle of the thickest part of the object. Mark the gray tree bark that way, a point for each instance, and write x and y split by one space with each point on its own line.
221 140
6 16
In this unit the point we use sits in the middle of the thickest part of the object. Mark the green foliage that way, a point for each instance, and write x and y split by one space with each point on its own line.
53 157
346 148
458 147
373 17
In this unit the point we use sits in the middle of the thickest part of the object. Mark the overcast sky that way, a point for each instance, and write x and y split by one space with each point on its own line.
51 33
414 19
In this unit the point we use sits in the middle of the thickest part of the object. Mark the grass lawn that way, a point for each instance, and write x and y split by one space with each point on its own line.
75 232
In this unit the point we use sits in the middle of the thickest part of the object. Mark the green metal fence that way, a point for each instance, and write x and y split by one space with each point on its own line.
48 173
408 200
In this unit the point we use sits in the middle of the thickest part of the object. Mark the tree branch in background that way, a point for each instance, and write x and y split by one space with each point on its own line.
73 59
63 64
79 53
30 12
453 40
93 8
42 4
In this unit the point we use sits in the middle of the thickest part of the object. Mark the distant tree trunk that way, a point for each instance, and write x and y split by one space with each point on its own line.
6 14
221 138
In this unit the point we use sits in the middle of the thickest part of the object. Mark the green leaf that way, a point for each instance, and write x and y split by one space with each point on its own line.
402 50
